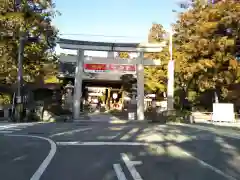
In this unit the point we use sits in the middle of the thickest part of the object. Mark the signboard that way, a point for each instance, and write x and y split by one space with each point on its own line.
223 112
114 68
95 68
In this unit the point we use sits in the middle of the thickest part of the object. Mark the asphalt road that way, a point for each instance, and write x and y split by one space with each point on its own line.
103 151
20 157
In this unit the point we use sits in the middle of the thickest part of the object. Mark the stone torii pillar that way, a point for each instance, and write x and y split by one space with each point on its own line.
78 84
140 87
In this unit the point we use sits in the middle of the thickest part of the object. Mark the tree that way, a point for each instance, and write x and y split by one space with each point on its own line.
49 70
156 77
127 79
156 33
35 20
205 49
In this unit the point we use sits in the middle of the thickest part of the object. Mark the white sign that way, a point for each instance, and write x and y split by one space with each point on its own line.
151 95
115 95
223 112
94 71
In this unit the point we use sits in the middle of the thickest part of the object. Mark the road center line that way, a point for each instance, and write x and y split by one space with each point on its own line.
37 175
70 132
119 172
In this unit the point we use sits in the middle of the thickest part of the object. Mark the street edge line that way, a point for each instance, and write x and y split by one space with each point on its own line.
214 169
53 148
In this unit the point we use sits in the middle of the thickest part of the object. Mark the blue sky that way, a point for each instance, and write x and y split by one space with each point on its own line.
132 18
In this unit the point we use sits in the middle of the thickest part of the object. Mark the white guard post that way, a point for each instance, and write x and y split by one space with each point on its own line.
80 46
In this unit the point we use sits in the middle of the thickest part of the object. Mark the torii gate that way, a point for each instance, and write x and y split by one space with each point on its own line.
140 62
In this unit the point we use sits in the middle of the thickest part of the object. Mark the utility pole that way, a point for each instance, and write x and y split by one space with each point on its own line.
19 104
19 99
170 83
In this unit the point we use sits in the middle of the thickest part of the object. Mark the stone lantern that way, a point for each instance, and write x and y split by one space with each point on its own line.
68 96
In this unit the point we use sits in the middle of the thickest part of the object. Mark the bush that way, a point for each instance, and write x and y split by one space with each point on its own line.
180 117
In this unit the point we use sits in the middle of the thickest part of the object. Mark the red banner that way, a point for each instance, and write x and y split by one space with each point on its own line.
119 67
96 68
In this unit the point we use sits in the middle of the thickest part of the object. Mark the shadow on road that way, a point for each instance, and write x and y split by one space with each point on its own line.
168 152
212 151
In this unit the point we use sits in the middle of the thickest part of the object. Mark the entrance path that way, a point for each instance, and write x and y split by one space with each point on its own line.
103 117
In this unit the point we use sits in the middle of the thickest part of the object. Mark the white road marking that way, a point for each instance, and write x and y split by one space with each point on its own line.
119 172
6 132
20 158
7 127
109 137
17 129
79 143
130 133
70 132
117 135
10 128
130 165
37 175
214 169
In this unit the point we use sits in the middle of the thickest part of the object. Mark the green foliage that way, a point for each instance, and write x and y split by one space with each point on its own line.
204 49
156 77
127 81
36 54
5 99
156 34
